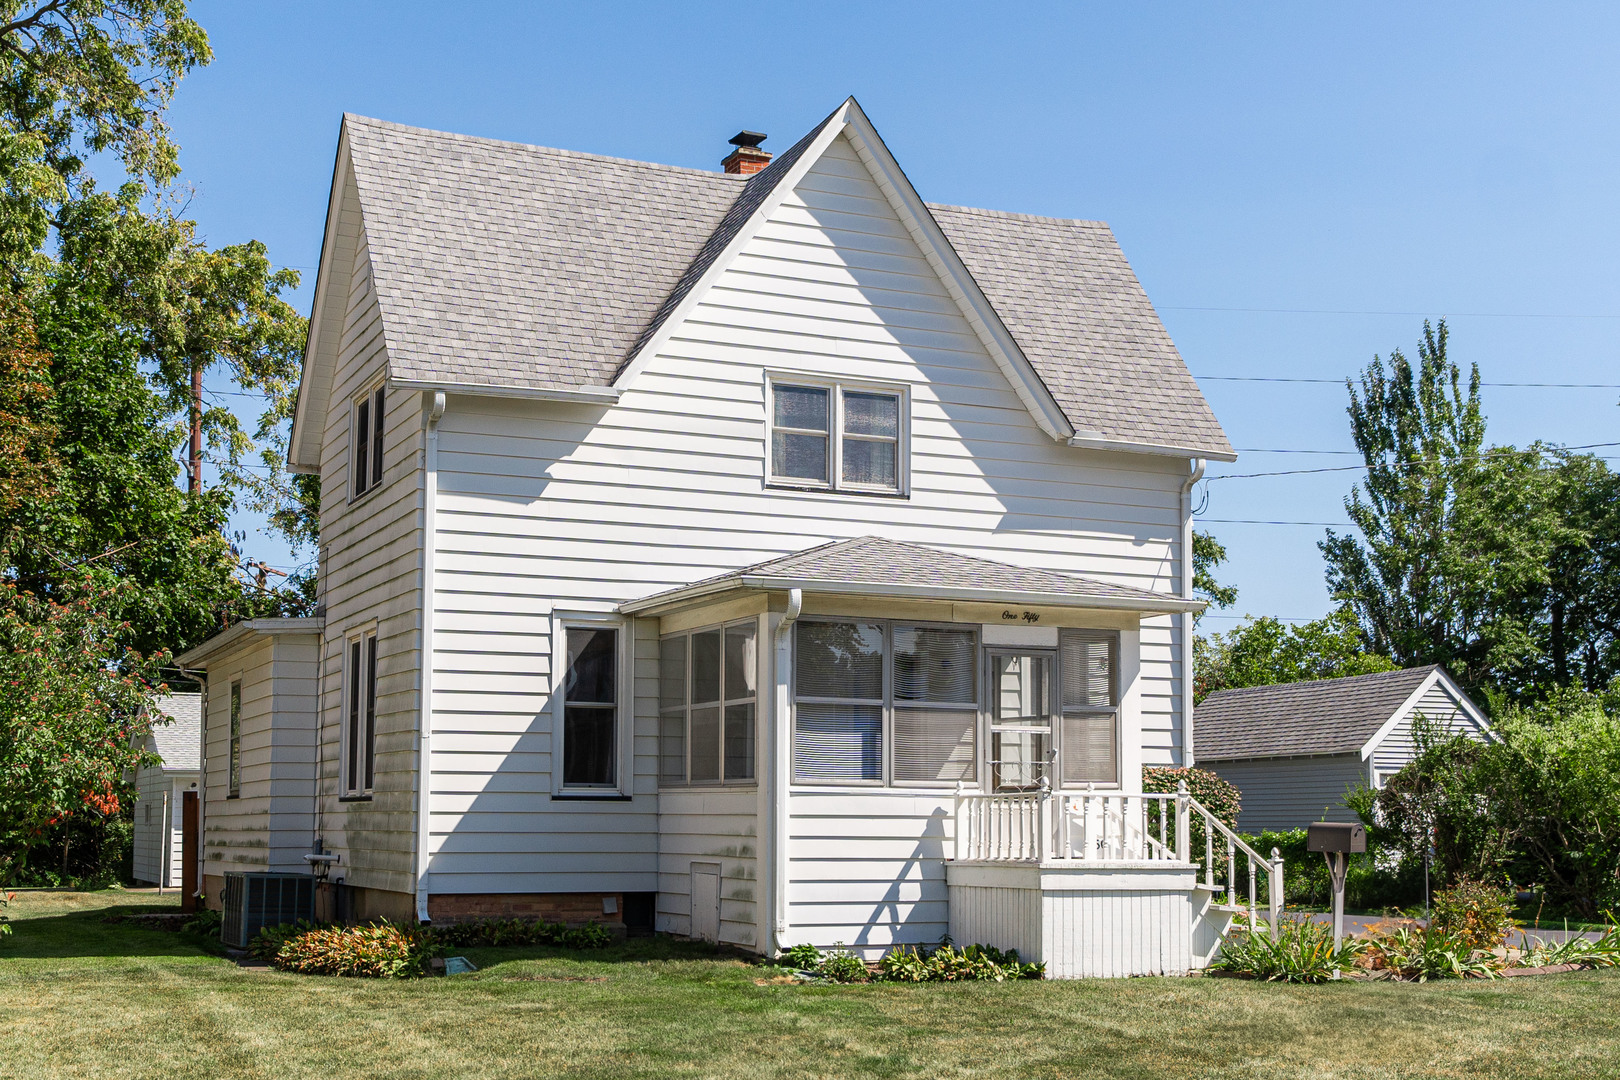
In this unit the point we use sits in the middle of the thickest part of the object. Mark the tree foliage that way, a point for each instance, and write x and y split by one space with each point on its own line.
68 716
1208 554
1266 651
1452 536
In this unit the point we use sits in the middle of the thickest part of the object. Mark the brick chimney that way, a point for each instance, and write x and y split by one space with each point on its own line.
748 158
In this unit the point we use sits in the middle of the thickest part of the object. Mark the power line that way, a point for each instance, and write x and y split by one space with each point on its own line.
1353 468
1341 382
1413 314
1258 521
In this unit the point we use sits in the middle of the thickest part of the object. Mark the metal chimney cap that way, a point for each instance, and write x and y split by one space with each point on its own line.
750 139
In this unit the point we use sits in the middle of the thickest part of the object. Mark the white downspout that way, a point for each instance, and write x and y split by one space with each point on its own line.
781 669
424 723
1196 475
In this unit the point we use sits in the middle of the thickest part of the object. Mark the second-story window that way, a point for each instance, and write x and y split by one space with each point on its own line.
368 441
837 437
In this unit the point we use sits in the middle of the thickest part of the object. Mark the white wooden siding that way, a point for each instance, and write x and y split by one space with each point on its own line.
710 826
1290 793
149 841
1439 707
371 558
271 825
546 505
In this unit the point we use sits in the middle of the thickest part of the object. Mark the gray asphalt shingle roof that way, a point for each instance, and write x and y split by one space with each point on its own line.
179 742
885 567
508 265
1323 716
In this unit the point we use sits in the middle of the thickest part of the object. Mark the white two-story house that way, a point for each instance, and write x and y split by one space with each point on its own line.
708 552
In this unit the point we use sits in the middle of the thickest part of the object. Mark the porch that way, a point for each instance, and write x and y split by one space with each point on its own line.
1097 884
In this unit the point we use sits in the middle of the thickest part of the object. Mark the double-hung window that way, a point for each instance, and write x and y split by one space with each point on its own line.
234 779
1088 744
367 451
836 436
878 702
708 699
360 714
590 708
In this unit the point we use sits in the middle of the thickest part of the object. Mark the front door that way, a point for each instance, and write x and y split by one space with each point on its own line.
1022 703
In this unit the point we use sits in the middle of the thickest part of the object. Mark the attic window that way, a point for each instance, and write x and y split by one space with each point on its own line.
367 450
837 436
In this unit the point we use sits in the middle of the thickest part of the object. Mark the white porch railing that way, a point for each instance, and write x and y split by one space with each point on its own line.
1107 828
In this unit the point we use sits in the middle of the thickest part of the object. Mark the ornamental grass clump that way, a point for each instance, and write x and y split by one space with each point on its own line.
380 950
1419 954
1601 953
1299 951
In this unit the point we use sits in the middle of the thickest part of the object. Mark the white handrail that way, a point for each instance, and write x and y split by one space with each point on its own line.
1093 826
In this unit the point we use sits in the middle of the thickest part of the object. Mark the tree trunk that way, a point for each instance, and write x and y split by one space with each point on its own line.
194 482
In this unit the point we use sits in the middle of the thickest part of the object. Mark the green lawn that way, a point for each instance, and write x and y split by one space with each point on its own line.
79 997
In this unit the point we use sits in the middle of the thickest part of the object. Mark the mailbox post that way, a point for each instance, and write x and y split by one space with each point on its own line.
1337 841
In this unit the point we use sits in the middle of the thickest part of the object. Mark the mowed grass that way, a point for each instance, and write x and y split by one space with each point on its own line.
79 997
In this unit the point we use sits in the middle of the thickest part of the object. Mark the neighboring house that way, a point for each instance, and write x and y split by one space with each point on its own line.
675 528
1296 748
160 789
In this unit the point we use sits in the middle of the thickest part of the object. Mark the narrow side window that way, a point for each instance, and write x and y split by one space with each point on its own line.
590 708
362 446
377 437
235 778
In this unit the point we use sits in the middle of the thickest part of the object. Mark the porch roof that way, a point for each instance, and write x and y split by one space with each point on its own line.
874 566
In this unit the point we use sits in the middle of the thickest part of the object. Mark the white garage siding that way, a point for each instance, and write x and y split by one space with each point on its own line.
1290 793
1440 707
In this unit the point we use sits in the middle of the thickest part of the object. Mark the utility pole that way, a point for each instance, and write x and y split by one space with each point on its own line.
194 486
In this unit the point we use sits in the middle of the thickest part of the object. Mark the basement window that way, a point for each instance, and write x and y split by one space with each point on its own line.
836 436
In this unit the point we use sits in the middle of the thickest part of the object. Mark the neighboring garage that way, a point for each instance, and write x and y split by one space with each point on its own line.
1296 748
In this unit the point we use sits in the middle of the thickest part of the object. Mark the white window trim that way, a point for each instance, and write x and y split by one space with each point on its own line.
836 388
624 707
369 396
346 747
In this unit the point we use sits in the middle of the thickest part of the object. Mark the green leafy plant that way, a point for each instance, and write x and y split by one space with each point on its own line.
1604 952
1430 953
380 950
5 920
947 963
801 958
1476 913
1214 794
267 943
205 923
474 933
842 966
1300 951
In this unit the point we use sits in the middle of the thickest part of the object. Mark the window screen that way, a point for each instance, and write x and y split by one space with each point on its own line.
935 704
870 444
838 718
1089 739
800 439
708 701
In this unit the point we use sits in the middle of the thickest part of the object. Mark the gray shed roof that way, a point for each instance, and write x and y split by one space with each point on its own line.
505 265
874 566
1323 716
179 742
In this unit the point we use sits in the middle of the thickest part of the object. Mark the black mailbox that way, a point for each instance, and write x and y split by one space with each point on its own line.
1335 836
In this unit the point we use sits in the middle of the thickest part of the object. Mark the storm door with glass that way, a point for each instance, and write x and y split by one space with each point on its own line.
1022 704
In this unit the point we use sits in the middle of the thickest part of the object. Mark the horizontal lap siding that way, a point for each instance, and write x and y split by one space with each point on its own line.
712 826
1290 793
1437 706
236 832
543 506
371 571
867 868
150 784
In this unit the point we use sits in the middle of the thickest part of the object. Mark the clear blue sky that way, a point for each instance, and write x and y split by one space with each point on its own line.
1297 185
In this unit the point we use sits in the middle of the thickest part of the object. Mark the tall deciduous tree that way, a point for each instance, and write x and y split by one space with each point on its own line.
1266 651
1452 535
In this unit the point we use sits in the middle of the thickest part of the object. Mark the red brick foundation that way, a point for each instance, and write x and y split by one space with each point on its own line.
575 909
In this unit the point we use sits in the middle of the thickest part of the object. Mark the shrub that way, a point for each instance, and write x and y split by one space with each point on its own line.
842 966
1602 953
380 950
267 943
205 923
505 932
1477 914
1214 794
949 964
801 958
1301 951
1375 881
5 920
1431 953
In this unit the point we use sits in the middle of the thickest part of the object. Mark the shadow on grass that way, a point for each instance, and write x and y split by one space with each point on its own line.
87 933
633 951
